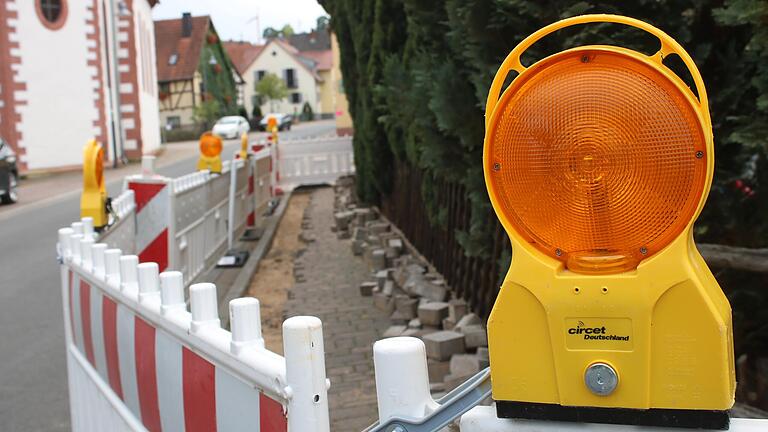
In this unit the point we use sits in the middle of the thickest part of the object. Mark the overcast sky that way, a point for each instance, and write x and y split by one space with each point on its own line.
236 19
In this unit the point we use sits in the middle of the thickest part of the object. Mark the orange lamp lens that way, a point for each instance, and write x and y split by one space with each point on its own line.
597 158
210 145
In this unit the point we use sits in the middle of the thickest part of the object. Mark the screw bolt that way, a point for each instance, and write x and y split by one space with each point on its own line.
699 154
601 379
558 252
643 250
496 166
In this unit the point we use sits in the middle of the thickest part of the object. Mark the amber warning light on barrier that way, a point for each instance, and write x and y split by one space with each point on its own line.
597 161
210 153
597 158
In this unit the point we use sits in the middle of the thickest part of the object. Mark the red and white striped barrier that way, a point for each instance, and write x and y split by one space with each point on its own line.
152 194
138 359
251 200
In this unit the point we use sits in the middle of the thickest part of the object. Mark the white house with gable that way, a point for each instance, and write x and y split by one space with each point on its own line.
299 74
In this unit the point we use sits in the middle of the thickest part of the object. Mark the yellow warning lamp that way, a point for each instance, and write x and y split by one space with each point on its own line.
597 160
93 202
210 153
244 146
271 124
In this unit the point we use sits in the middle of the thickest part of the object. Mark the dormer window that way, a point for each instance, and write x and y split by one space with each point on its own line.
173 59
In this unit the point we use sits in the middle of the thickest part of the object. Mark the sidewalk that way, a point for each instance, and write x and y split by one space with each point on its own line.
327 286
44 186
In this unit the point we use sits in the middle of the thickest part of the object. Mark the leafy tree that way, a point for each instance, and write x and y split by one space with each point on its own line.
323 22
417 72
287 31
270 33
271 88
207 112
306 112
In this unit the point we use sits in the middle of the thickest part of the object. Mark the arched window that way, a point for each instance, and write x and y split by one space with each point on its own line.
52 13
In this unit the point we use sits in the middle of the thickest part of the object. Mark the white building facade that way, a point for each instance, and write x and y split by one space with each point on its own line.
279 58
57 80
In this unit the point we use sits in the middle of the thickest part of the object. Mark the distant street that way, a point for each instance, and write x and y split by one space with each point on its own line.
33 382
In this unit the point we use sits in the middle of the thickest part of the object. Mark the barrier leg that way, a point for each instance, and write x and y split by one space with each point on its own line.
402 380
305 373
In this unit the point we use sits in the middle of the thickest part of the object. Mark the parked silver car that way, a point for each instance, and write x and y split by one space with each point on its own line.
231 127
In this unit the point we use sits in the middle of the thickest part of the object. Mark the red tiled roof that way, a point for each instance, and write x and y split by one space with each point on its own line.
168 41
242 54
324 58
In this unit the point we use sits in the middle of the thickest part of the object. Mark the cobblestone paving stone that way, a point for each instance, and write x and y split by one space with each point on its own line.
327 280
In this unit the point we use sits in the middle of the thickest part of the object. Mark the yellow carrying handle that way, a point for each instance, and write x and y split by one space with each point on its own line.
668 46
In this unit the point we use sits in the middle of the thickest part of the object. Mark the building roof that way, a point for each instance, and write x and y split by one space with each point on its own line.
304 62
312 41
242 54
169 41
323 59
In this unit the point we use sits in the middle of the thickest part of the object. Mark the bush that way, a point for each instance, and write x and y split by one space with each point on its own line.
256 113
184 133
306 113
416 74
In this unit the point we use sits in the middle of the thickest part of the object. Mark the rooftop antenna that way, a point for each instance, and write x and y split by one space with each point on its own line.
258 27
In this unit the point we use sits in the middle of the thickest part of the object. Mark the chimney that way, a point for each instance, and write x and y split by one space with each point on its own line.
186 24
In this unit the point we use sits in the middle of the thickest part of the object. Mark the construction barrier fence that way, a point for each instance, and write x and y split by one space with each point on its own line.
139 359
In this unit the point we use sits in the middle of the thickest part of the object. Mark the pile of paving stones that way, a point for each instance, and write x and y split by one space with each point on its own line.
414 295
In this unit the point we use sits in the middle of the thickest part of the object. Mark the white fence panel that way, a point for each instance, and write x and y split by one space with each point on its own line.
320 160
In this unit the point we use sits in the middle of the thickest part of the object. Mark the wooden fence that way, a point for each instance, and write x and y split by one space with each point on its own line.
475 279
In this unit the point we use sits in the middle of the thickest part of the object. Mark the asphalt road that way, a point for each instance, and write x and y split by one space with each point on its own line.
33 377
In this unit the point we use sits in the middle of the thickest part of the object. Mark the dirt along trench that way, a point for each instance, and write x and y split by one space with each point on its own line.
274 276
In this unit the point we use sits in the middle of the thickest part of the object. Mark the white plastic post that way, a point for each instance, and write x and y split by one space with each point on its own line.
402 380
86 252
65 243
231 203
147 166
74 242
77 227
172 291
129 274
203 303
149 282
112 266
305 373
88 227
245 320
97 251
